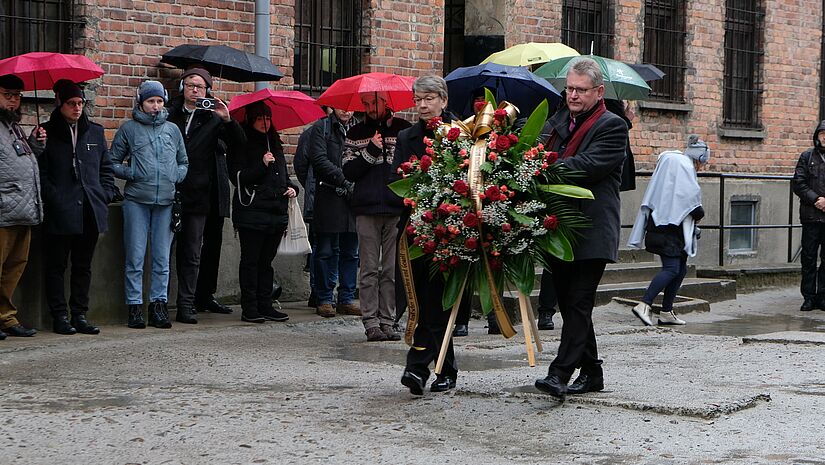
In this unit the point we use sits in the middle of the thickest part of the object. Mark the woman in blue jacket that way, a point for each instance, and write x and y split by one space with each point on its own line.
149 153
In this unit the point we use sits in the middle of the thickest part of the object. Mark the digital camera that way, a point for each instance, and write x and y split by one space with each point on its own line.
202 103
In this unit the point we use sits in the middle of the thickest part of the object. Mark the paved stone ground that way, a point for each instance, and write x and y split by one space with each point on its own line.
743 384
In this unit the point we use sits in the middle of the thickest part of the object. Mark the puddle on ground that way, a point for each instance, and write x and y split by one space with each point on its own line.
755 324
397 356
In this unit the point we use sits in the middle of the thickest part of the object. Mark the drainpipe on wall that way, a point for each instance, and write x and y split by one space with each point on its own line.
262 41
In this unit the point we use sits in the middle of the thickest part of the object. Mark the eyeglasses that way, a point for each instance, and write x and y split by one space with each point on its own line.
79 103
579 90
12 95
194 86
428 99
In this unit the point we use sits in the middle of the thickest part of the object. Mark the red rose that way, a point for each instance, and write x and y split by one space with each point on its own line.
492 193
428 247
496 264
426 162
443 210
471 243
502 143
406 167
551 222
411 230
506 227
461 187
551 157
433 123
427 216
428 142
440 231
453 134
500 114
429 151
454 261
492 157
470 220
513 138
478 106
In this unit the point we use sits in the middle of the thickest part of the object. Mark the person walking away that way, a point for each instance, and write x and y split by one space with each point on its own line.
20 204
591 140
260 212
149 153
666 223
78 183
204 193
809 185
368 157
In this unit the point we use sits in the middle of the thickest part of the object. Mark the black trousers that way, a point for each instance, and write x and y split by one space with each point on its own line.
210 263
547 294
58 248
463 317
813 247
432 326
576 283
255 272
188 256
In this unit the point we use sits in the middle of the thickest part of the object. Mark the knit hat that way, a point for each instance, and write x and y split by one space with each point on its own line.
198 71
697 149
149 89
254 110
64 90
11 82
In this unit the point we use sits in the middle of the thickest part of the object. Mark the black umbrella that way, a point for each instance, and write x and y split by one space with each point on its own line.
647 71
224 62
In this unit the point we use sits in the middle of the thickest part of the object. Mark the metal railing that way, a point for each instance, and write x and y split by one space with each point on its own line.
722 227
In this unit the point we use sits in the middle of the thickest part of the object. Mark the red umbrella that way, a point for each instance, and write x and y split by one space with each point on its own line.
290 108
40 70
345 94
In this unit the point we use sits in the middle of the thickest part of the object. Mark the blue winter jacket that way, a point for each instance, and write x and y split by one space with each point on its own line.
155 157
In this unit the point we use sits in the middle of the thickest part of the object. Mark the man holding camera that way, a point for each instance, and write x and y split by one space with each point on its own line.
207 130
20 205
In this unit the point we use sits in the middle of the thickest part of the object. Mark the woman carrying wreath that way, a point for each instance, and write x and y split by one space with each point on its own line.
431 101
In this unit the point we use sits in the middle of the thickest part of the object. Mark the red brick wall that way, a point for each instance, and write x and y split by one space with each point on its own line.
531 21
404 36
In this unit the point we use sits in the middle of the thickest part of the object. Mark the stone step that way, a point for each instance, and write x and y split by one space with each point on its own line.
627 255
616 273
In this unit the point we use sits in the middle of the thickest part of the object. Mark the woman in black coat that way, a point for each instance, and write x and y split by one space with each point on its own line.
259 211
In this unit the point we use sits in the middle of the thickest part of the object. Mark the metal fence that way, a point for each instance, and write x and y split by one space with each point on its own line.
586 24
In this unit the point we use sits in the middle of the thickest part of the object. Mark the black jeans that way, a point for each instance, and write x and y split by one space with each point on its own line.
255 272
813 246
576 283
210 259
188 254
547 294
81 247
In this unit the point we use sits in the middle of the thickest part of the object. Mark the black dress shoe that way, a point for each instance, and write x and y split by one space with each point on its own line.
552 385
586 383
83 326
186 315
414 382
461 331
443 383
61 325
273 315
807 305
492 326
19 331
546 321
214 306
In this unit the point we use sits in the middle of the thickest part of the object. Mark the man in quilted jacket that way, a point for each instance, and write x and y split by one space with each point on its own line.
20 205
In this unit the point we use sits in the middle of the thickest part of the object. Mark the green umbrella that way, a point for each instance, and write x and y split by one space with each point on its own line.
621 82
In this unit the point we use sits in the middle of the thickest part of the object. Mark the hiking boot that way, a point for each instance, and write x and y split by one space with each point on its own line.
159 315
390 333
136 317
326 310
61 325
669 318
349 309
375 335
642 312
273 315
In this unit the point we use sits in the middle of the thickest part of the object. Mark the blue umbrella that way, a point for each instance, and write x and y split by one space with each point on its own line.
515 84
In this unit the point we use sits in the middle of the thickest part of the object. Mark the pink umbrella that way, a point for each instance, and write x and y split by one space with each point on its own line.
345 94
290 108
40 70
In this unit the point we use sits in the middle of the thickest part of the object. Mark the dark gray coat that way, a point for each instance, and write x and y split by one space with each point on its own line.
599 157
331 212
809 181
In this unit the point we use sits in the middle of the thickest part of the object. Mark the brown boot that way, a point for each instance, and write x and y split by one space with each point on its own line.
375 335
390 333
326 310
349 309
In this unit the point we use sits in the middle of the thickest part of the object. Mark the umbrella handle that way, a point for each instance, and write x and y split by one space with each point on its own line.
36 100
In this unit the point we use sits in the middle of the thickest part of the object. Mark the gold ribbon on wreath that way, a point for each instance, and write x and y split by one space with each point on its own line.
405 267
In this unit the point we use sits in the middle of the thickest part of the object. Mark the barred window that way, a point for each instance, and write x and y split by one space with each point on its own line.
744 22
37 26
327 42
664 46
454 35
588 24
822 69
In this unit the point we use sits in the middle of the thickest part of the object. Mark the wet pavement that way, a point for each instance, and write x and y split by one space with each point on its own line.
742 384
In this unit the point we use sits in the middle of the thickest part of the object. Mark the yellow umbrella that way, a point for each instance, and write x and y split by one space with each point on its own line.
531 53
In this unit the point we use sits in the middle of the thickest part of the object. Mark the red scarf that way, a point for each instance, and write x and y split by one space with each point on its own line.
580 133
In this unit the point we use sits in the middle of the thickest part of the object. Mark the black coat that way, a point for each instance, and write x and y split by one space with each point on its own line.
64 188
668 240
599 157
331 212
262 187
809 181
206 186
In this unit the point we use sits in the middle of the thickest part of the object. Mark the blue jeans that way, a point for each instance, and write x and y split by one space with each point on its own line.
336 261
669 278
142 223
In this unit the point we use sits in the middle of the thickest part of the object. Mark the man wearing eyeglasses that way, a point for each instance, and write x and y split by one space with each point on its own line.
204 193
78 183
20 205
591 140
